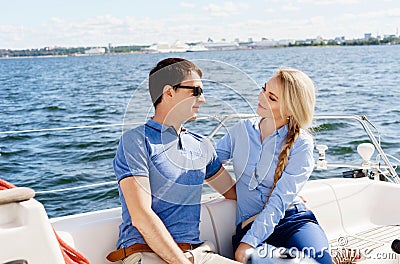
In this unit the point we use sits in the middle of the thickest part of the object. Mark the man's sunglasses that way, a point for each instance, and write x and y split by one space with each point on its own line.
197 90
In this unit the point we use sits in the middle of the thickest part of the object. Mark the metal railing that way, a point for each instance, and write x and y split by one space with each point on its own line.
363 120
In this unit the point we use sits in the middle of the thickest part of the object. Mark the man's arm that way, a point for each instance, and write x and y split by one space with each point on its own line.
223 183
137 194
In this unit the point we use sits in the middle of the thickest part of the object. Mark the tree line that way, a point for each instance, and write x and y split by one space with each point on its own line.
59 51
355 42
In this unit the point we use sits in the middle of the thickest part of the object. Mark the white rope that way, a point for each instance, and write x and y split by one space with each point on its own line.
78 187
64 128
80 127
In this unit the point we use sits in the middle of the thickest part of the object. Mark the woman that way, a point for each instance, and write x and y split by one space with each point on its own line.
272 157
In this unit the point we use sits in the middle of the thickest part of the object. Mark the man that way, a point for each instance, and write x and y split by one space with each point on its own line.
160 168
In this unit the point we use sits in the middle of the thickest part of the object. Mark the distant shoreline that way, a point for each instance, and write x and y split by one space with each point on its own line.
43 56
66 56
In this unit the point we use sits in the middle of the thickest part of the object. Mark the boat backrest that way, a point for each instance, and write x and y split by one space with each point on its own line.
222 215
95 234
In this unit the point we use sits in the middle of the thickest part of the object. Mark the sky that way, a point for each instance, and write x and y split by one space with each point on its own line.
83 23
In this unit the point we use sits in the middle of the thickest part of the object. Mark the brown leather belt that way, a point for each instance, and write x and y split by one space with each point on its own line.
122 253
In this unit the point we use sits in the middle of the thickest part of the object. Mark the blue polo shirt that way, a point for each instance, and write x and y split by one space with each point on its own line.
254 164
176 166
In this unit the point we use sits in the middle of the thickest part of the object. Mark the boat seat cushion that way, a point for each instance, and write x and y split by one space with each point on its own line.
217 225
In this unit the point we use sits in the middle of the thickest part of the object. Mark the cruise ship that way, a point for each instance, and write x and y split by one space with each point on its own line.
221 45
165 47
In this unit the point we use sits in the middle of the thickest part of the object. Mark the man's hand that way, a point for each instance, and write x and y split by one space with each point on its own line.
239 254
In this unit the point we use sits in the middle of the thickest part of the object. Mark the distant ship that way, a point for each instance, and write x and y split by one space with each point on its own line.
95 51
221 45
265 43
182 47
197 47
165 47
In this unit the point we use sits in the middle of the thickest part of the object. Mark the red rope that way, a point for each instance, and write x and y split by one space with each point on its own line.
6 185
71 255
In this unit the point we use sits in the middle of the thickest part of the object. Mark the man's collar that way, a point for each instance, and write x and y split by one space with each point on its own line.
161 127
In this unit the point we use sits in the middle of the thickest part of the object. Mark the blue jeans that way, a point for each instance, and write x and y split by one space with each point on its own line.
298 229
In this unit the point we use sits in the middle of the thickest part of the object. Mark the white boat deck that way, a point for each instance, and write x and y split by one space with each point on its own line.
374 244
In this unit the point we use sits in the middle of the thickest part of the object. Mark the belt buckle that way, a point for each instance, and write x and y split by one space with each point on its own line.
186 250
192 246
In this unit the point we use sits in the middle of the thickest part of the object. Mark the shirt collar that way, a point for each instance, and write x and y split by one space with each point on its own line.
161 127
282 131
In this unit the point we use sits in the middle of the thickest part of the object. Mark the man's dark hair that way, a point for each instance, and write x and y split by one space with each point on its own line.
170 71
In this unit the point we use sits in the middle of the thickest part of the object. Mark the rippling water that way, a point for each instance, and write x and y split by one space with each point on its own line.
39 93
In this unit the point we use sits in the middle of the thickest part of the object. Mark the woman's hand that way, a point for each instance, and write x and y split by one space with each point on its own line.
239 254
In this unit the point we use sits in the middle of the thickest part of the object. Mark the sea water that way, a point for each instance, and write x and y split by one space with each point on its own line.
56 92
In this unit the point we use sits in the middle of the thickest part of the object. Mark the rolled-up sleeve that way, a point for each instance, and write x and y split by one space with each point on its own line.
214 164
294 176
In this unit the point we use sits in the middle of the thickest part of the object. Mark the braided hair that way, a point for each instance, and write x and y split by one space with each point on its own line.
298 98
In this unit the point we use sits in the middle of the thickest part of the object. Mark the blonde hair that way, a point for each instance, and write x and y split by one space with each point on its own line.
298 98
